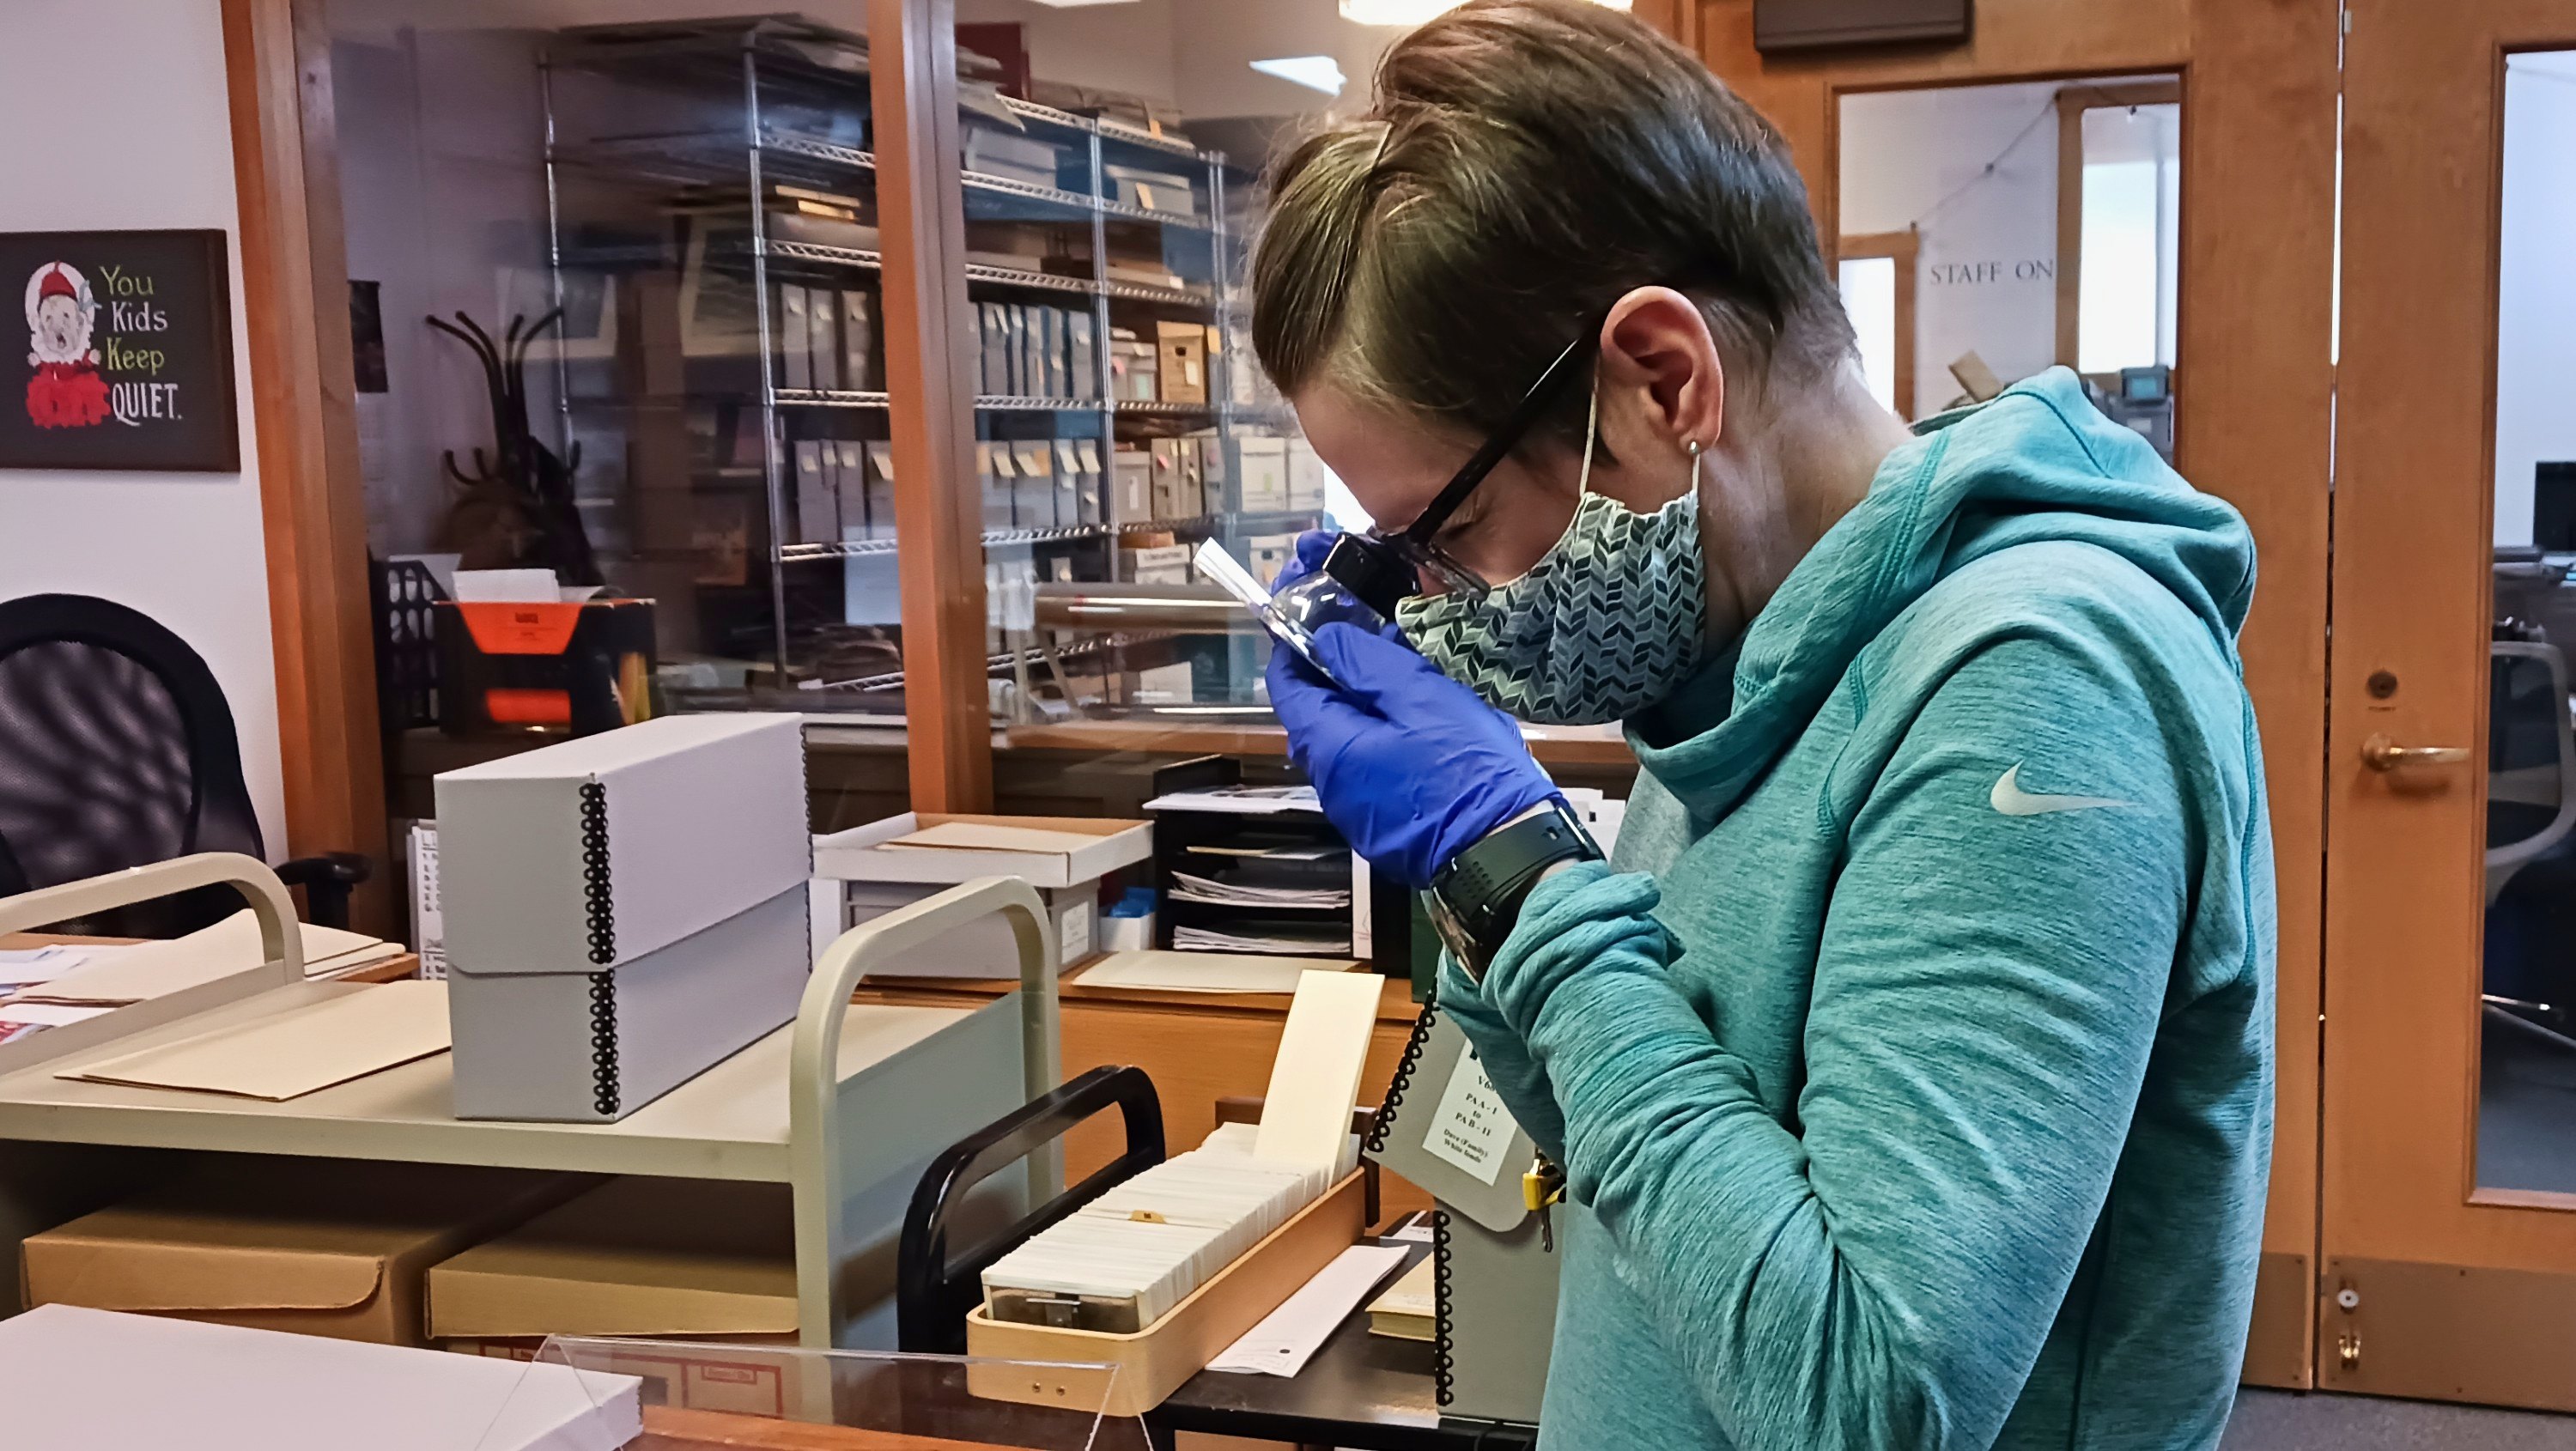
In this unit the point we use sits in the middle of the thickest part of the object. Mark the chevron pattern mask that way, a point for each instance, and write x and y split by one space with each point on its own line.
1609 621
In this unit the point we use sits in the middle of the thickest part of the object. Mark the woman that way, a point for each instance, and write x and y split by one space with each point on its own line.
1910 1066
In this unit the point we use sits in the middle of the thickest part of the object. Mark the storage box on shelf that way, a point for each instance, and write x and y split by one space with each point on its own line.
621 911
859 877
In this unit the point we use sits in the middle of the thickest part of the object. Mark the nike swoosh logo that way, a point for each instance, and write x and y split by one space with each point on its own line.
2011 800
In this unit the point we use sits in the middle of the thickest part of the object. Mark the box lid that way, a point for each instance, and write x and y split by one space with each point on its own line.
1046 855
632 1257
264 1234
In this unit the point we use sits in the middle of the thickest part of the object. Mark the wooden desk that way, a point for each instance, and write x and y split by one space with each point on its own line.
1197 1047
668 1428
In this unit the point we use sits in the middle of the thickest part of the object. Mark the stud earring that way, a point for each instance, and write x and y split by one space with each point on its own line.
1692 445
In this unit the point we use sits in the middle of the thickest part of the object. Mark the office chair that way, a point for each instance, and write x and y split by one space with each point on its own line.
117 750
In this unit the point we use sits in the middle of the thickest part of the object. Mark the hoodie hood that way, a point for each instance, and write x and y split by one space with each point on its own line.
2039 462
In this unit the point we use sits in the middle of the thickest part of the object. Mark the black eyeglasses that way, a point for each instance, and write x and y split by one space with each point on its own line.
1382 567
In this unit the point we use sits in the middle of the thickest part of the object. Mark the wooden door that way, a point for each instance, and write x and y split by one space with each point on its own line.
2254 353
2448 1220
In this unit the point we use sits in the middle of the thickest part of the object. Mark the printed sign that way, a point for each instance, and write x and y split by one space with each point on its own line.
1471 1128
128 362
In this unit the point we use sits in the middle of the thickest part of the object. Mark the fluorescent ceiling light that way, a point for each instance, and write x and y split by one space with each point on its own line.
1414 12
1314 72
1077 4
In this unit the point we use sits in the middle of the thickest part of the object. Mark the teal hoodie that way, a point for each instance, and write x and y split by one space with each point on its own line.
1911 1062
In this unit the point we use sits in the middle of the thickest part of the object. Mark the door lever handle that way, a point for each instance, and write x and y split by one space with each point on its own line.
2380 753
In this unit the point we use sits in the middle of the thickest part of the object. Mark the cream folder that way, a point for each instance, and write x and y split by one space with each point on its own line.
155 969
353 1030
1315 1080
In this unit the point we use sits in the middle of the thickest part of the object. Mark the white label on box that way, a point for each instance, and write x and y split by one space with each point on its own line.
429 936
1074 928
1471 1128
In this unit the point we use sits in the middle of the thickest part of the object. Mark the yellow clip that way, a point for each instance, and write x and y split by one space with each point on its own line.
1542 1186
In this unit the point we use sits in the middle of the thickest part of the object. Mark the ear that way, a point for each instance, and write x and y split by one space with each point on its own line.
1660 372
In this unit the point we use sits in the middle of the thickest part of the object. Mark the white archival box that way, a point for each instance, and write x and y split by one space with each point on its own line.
563 1047
859 877
622 912
595 851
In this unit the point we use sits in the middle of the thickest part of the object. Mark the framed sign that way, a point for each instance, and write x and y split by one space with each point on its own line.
128 354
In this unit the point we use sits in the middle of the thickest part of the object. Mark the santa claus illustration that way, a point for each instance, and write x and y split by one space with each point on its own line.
67 391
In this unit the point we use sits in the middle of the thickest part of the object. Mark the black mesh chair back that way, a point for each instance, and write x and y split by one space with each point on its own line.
117 750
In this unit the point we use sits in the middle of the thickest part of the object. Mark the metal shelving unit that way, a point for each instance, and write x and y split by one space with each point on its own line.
666 151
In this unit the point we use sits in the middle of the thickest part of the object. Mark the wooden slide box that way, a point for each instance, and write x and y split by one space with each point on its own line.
1153 1362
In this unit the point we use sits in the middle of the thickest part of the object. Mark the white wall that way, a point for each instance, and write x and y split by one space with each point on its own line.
1988 279
2536 285
120 118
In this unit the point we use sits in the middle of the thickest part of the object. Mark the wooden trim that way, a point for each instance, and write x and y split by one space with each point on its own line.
1270 740
1905 249
930 353
295 298
2259 157
2072 103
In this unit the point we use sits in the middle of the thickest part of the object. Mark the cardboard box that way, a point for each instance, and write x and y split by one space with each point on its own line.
817 512
1134 368
1091 490
857 855
1082 361
996 475
593 1047
598 851
1131 485
1033 496
679 1258
1068 485
880 490
859 369
994 376
795 338
336 1248
1305 478
1157 563
1181 359
823 338
875 879
1212 474
1176 490
1261 474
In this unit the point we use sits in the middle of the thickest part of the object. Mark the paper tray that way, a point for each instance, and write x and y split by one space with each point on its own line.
1153 1362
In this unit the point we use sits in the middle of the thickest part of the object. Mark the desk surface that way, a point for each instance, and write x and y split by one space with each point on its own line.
669 1429
1362 1392
729 1122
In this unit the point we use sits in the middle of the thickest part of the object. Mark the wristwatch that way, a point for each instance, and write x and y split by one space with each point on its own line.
1476 899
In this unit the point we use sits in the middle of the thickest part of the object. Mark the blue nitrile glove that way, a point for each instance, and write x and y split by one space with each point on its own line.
1410 766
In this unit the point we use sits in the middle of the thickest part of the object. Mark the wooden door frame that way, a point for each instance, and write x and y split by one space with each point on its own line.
2457 1292
1905 249
2256 310
2072 103
295 285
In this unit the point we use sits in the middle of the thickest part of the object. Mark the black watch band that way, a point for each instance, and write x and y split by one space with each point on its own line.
1476 899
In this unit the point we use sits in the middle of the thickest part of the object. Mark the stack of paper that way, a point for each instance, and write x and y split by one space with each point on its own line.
113 976
1193 888
20 1020
1331 941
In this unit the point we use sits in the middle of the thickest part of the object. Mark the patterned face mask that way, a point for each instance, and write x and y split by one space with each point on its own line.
1608 622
